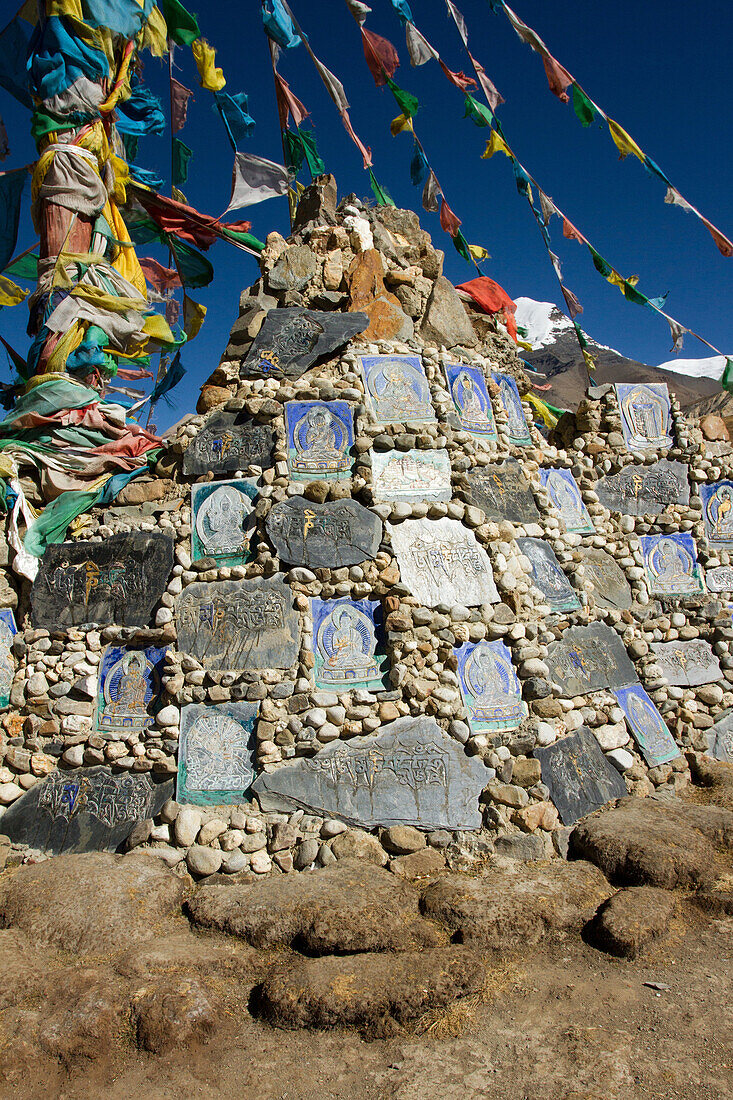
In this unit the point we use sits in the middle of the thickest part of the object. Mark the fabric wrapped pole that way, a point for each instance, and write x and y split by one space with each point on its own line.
58 59
71 180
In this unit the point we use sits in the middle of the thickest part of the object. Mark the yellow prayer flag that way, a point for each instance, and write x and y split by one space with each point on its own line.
178 196
399 125
623 142
495 144
155 34
211 77
589 360
616 280
193 316
548 417
479 252
10 292
157 328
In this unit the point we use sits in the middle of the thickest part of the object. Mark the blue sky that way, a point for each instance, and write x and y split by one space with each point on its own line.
659 68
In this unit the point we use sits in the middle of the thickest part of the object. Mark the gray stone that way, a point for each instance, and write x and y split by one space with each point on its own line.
526 847
442 563
645 490
87 811
295 268
720 579
331 535
410 773
239 624
292 340
203 861
720 739
503 492
445 321
228 442
687 664
579 777
589 658
216 756
610 587
119 580
548 576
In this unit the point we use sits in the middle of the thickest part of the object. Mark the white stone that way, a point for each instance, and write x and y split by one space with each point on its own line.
203 861
74 756
612 736
620 759
187 827
211 830
332 828
8 793
441 562
260 863
546 734
168 716
163 615
170 856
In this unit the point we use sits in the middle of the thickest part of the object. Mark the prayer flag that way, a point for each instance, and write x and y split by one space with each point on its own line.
180 96
381 56
210 76
255 179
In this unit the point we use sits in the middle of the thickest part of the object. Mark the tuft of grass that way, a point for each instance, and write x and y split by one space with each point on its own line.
457 1018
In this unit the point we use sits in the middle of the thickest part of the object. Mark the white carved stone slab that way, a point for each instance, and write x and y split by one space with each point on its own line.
442 563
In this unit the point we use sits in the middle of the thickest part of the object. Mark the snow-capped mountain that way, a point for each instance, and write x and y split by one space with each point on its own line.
556 355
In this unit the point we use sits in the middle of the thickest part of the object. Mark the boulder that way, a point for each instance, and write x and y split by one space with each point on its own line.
445 321
631 920
175 1013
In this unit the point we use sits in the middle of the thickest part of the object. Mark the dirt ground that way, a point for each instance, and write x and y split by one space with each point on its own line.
564 1023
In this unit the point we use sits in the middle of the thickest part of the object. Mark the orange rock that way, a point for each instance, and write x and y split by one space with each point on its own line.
538 815
210 397
368 294
713 428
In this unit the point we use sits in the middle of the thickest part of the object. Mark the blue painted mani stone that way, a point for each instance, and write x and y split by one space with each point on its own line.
564 493
511 403
396 388
216 755
471 399
320 437
717 512
129 689
646 415
647 725
671 565
8 630
345 643
490 687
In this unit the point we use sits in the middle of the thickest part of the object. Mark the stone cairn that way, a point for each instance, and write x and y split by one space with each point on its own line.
378 262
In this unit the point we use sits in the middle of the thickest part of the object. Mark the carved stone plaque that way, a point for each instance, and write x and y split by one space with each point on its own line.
647 725
117 581
687 664
646 415
323 536
216 753
411 475
8 630
320 437
291 340
609 585
129 689
492 693
720 739
717 511
89 810
345 641
511 403
503 492
564 493
720 579
548 576
471 399
222 521
396 388
589 658
645 490
442 563
227 442
239 624
411 773
578 775
670 564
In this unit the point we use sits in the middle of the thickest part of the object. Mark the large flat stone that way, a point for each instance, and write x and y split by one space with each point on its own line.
687 664
609 585
645 490
83 811
411 476
441 562
294 270
503 492
228 442
646 415
119 580
445 321
291 340
411 773
632 920
589 658
329 536
216 756
578 775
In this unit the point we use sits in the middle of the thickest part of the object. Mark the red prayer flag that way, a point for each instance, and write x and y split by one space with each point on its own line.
459 79
492 298
162 278
287 103
574 306
725 246
557 77
366 153
381 56
448 220
180 96
571 233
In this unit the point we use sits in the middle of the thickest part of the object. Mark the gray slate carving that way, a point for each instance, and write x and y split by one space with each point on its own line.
291 340
411 773
610 587
719 579
548 576
239 625
503 492
119 580
328 536
589 658
645 490
216 753
720 739
687 664
84 811
227 442
578 775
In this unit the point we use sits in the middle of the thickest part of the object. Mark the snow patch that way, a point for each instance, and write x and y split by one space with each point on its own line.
536 318
712 367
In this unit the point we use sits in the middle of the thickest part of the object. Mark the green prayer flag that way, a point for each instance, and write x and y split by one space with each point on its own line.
461 246
25 267
294 152
727 380
602 267
382 196
247 239
582 106
183 28
407 103
312 156
181 157
476 111
195 270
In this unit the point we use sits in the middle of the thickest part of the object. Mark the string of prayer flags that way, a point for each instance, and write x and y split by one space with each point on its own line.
418 47
382 196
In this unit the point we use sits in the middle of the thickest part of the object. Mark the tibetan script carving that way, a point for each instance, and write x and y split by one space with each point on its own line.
578 775
589 658
442 563
687 664
327 536
503 492
228 442
645 490
291 340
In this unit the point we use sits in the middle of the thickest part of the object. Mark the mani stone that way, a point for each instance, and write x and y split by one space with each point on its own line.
323 536
292 340
411 773
579 777
119 580
216 758
226 443
548 576
645 490
720 739
442 563
610 587
720 579
687 664
589 658
503 492
84 811
239 625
